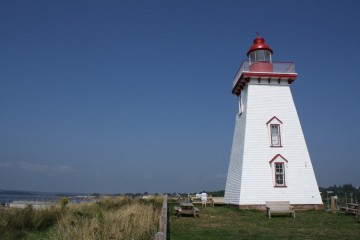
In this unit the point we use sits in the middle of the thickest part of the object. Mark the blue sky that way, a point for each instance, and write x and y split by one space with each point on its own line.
135 96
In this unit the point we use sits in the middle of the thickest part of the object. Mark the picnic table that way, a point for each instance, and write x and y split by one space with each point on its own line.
186 208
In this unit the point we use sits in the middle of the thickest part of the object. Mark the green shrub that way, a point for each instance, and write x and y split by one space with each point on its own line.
46 218
64 201
20 219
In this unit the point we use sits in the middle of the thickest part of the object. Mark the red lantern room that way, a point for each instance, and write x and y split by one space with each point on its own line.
259 51
260 56
260 68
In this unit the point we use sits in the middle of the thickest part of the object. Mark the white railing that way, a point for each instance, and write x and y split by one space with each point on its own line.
277 68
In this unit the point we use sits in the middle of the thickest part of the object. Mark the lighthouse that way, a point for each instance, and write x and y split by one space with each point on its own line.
269 158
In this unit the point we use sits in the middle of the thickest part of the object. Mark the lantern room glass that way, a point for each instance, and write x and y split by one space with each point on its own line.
260 56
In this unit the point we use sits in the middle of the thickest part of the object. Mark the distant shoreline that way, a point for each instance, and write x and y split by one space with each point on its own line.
9 196
24 192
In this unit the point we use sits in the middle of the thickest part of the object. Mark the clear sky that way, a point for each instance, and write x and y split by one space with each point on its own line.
135 96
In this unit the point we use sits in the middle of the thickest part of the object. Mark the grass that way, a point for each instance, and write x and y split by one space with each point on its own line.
125 218
232 223
110 218
15 223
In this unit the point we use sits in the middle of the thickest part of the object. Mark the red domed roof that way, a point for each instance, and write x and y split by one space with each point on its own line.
259 44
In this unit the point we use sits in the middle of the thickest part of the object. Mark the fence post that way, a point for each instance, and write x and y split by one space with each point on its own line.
161 235
163 211
163 224
333 204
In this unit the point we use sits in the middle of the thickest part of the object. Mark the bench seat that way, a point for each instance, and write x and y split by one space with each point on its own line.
279 207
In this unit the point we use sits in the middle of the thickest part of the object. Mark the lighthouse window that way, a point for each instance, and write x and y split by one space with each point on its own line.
260 55
267 56
279 174
275 135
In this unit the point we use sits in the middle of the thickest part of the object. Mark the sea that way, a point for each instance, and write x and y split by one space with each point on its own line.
9 196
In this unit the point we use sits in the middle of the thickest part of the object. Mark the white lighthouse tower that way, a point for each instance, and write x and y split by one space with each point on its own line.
269 157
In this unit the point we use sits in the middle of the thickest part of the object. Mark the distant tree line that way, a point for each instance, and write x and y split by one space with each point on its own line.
340 189
335 190
345 193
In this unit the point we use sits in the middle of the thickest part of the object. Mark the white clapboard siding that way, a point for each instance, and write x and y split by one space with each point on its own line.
250 179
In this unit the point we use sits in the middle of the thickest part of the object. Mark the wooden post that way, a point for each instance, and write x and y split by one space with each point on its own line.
333 205
164 211
160 236
163 223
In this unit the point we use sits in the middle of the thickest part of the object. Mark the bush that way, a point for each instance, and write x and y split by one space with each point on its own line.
46 218
64 201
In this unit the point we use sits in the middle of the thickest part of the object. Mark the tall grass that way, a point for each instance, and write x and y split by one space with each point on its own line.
15 223
110 218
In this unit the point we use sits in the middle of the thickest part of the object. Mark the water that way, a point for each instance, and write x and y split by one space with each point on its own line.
44 198
8 197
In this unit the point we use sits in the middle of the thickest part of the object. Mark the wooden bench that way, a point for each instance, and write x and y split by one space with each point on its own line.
197 200
279 207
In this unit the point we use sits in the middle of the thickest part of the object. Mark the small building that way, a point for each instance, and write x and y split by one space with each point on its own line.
36 205
269 157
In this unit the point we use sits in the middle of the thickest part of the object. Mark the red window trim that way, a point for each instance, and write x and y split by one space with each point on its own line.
283 163
272 135
274 117
276 156
279 123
